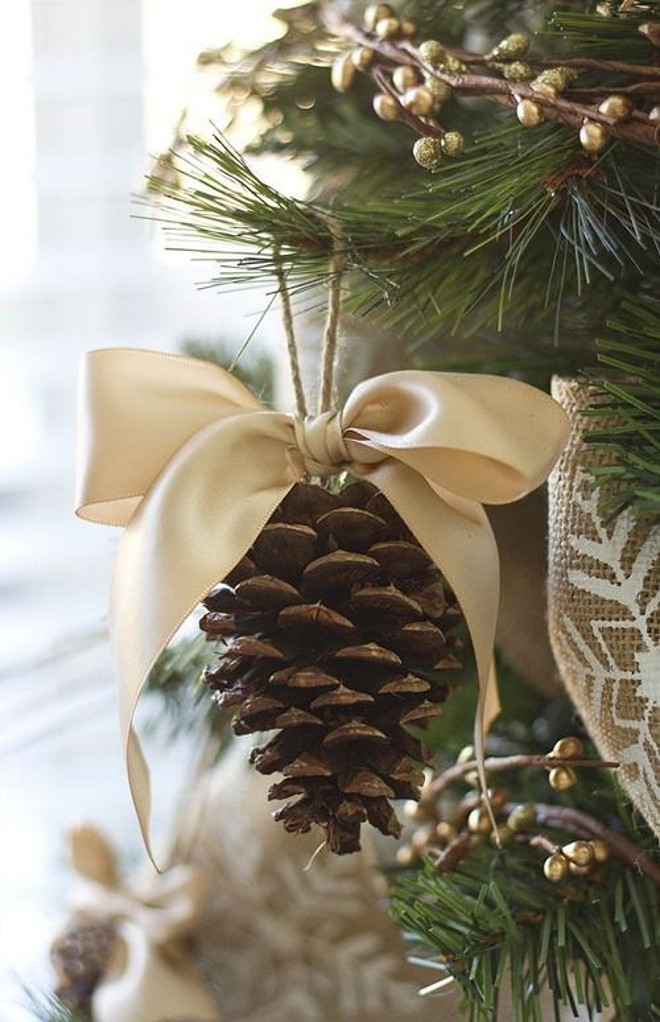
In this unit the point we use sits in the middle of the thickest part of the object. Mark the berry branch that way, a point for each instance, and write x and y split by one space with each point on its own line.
573 820
499 764
416 78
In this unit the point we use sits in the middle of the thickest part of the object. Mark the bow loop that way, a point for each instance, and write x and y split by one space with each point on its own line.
184 456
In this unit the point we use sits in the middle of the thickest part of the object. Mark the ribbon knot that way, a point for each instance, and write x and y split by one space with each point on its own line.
156 427
320 441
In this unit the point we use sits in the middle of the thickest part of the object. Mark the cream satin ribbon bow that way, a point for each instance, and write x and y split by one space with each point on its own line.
151 976
187 459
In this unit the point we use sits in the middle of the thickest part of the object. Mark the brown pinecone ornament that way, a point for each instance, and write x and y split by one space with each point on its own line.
80 955
334 631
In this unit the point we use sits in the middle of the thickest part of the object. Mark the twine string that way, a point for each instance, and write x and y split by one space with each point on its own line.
292 347
331 331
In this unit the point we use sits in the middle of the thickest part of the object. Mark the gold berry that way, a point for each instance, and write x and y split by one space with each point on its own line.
375 13
654 113
413 810
439 90
453 143
567 748
454 65
445 832
529 113
420 839
579 852
601 851
562 778
522 817
544 89
516 71
579 871
386 106
405 855
343 72
363 57
405 77
408 28
432 52
502 836
511 48
419 100
593 137
555 867
388 28
616 106
558 77
466 755
478 822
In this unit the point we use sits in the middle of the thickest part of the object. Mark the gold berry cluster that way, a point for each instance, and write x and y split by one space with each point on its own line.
449 837
408 92
415 78
577 858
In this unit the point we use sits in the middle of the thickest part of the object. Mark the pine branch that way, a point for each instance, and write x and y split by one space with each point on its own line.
495 919
627 388
45 1006
183 703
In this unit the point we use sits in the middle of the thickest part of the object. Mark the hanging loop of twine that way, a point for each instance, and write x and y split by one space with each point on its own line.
331 331
292 347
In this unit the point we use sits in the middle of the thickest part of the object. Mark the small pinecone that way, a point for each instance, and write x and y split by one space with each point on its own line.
334 627
80 956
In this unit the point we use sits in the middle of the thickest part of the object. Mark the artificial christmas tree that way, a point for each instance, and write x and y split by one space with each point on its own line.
514 232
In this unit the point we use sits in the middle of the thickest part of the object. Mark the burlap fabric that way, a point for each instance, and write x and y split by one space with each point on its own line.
604 612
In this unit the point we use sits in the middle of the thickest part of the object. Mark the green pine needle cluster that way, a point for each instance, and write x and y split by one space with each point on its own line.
499 928
524 251
629 384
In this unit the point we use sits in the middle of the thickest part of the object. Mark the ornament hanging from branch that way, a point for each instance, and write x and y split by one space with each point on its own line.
333 608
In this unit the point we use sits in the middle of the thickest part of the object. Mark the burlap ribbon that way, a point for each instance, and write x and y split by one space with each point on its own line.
186 458
151 976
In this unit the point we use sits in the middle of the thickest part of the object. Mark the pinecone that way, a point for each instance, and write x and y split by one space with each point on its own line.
334 627
80 955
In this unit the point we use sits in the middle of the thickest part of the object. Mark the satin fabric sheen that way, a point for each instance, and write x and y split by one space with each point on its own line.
187 460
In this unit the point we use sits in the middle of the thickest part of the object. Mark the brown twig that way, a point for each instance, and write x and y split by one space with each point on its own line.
640 130
586 63
456 850
542 842
499 764
422 125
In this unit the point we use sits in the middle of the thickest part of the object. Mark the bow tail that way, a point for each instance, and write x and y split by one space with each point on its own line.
198 520
456 533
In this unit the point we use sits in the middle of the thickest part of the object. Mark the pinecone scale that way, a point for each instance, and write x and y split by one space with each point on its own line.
334 633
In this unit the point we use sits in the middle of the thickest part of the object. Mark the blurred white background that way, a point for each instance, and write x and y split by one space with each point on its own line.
87 89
